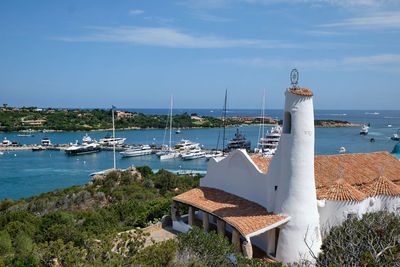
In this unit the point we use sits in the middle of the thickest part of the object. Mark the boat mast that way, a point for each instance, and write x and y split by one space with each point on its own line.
224 119
170 124
263 115
112 112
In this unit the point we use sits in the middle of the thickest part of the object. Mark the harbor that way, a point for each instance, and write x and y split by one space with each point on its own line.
38 172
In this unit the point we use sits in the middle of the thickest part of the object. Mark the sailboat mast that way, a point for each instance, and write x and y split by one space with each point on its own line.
112 112
170 123
224 122
263 115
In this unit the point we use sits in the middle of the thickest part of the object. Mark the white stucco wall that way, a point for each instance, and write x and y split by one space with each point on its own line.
237 174
333 213
296 194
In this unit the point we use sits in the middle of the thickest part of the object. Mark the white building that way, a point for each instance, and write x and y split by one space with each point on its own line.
278 207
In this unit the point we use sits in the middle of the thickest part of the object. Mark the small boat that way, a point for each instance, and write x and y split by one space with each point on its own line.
85 148
137 151
1 153
372 140
38 148
389 125
364 130
6 142
45 141
178 131
214 154
396 136
193 154
342 149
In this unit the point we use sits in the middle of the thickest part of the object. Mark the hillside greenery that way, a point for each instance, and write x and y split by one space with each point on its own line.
79 224
24 119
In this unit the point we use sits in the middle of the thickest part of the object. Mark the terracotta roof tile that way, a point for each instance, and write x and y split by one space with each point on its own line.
244 215
359 169
340 190
301 91
381 186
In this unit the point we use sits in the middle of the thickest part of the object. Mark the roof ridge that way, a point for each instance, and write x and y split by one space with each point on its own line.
381 186
340 190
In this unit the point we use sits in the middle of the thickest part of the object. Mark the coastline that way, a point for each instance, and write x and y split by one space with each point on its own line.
327 124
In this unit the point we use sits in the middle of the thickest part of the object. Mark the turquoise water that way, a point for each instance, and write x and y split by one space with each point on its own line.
26 173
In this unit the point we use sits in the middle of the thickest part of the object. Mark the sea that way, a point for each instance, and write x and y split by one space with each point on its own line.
26 173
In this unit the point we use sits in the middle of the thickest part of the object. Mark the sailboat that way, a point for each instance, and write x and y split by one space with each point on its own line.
168 152
268 144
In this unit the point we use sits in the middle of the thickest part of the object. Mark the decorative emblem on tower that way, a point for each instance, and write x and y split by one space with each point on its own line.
294 78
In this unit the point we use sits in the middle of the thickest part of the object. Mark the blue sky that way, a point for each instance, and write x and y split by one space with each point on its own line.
134 54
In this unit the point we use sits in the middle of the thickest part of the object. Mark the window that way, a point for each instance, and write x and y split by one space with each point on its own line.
287 123
276 187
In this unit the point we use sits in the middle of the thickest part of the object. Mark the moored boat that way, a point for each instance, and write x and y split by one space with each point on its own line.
239 142
213 154
45 141
396 136
109 140
193 154
186 144
85 148
137 151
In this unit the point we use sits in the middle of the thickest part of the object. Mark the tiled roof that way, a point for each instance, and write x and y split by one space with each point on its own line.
340 190
245 216
301 91
381 186
358 169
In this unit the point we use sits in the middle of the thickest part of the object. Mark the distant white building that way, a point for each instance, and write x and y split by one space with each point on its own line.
278 207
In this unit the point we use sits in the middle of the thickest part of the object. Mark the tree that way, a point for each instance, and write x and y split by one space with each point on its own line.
5 242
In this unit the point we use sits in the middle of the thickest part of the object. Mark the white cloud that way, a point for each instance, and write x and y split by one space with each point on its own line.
169 37
212 18
378 20
136 12
383 62
340 3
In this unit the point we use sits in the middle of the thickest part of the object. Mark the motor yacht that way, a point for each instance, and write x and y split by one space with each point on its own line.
239 142
213 154
342 149
45 141
137 151
186 144
267 145
6 142
109 140
364 130
396 136
193 154
85 148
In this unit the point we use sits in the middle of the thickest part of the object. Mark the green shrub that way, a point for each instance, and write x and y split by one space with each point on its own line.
5 243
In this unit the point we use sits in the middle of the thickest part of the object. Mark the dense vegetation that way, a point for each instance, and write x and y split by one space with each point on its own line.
373 240
79 224
96 119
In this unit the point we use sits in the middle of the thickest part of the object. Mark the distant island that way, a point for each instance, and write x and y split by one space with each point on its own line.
34 119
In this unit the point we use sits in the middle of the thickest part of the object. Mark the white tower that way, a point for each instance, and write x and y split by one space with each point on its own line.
296 195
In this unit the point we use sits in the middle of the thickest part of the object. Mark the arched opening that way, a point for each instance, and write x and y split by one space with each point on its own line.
287 123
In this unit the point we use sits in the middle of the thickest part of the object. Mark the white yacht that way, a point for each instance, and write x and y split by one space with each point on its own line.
267 146
214 154
396 136
167 152
364 130
193 154
342 149
109 140
46 141
6 142
137 151
187 144
88 139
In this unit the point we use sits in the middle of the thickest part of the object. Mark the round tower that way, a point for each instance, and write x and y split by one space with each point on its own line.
300 238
